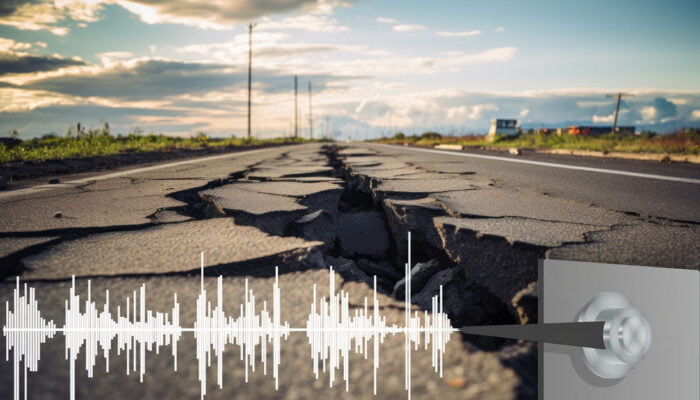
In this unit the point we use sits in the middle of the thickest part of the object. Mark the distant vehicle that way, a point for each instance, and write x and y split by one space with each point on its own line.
503 127
599 130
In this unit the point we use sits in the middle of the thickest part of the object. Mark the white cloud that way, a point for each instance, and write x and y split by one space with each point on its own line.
81 10
47 15
604 119
34 17
593 103
17 100
270 49
695 115
454 112
524 112
648 113
10 44
22 46
500 29
479 109
386 20
474 32
157 14
223 15
111 57
408 28
398 64
373 108
474 112
678 101
499 54
307 22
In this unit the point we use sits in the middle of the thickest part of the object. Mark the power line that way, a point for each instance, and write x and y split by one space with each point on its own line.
311 120
296 108
617 107
250 71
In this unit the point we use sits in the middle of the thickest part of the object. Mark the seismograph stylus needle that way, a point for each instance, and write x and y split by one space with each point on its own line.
581 334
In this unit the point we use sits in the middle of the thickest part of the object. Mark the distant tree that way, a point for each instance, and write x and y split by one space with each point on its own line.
202 138
135 132
399 135
690 132
14 134
431 136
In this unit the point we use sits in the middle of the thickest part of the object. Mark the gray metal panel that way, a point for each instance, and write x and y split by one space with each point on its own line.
670 298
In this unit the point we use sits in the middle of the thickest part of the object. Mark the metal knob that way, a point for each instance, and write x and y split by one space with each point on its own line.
626 334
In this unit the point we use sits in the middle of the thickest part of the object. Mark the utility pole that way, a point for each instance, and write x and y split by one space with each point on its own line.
311 119
250 71
617 107
296 112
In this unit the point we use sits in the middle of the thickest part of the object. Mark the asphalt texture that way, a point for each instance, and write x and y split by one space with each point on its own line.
478 225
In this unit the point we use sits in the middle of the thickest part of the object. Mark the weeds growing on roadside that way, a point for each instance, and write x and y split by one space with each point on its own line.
681 142
100 142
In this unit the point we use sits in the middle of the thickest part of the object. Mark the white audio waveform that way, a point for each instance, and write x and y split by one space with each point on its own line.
331 330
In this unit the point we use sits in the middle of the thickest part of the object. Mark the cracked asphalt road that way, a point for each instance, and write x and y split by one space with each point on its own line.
479 227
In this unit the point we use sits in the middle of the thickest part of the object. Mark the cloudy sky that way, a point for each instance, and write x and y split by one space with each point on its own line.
180 66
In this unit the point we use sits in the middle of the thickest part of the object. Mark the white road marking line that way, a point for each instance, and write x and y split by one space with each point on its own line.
34 189
155 167
555 165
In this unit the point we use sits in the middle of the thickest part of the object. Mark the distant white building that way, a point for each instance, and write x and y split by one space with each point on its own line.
503 127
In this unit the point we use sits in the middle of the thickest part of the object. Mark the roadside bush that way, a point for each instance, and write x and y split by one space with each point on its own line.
431 136
684 141
82 142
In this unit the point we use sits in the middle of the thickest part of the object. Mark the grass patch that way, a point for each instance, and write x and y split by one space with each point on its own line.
685 141
87 144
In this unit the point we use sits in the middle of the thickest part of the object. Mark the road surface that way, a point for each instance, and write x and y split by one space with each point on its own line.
478 224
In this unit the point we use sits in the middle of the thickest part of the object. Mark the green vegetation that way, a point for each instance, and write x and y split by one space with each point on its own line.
81 142
685 141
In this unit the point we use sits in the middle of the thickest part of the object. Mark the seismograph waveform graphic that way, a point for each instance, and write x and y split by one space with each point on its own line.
136 331
332 329
333 332
213 330
25 330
